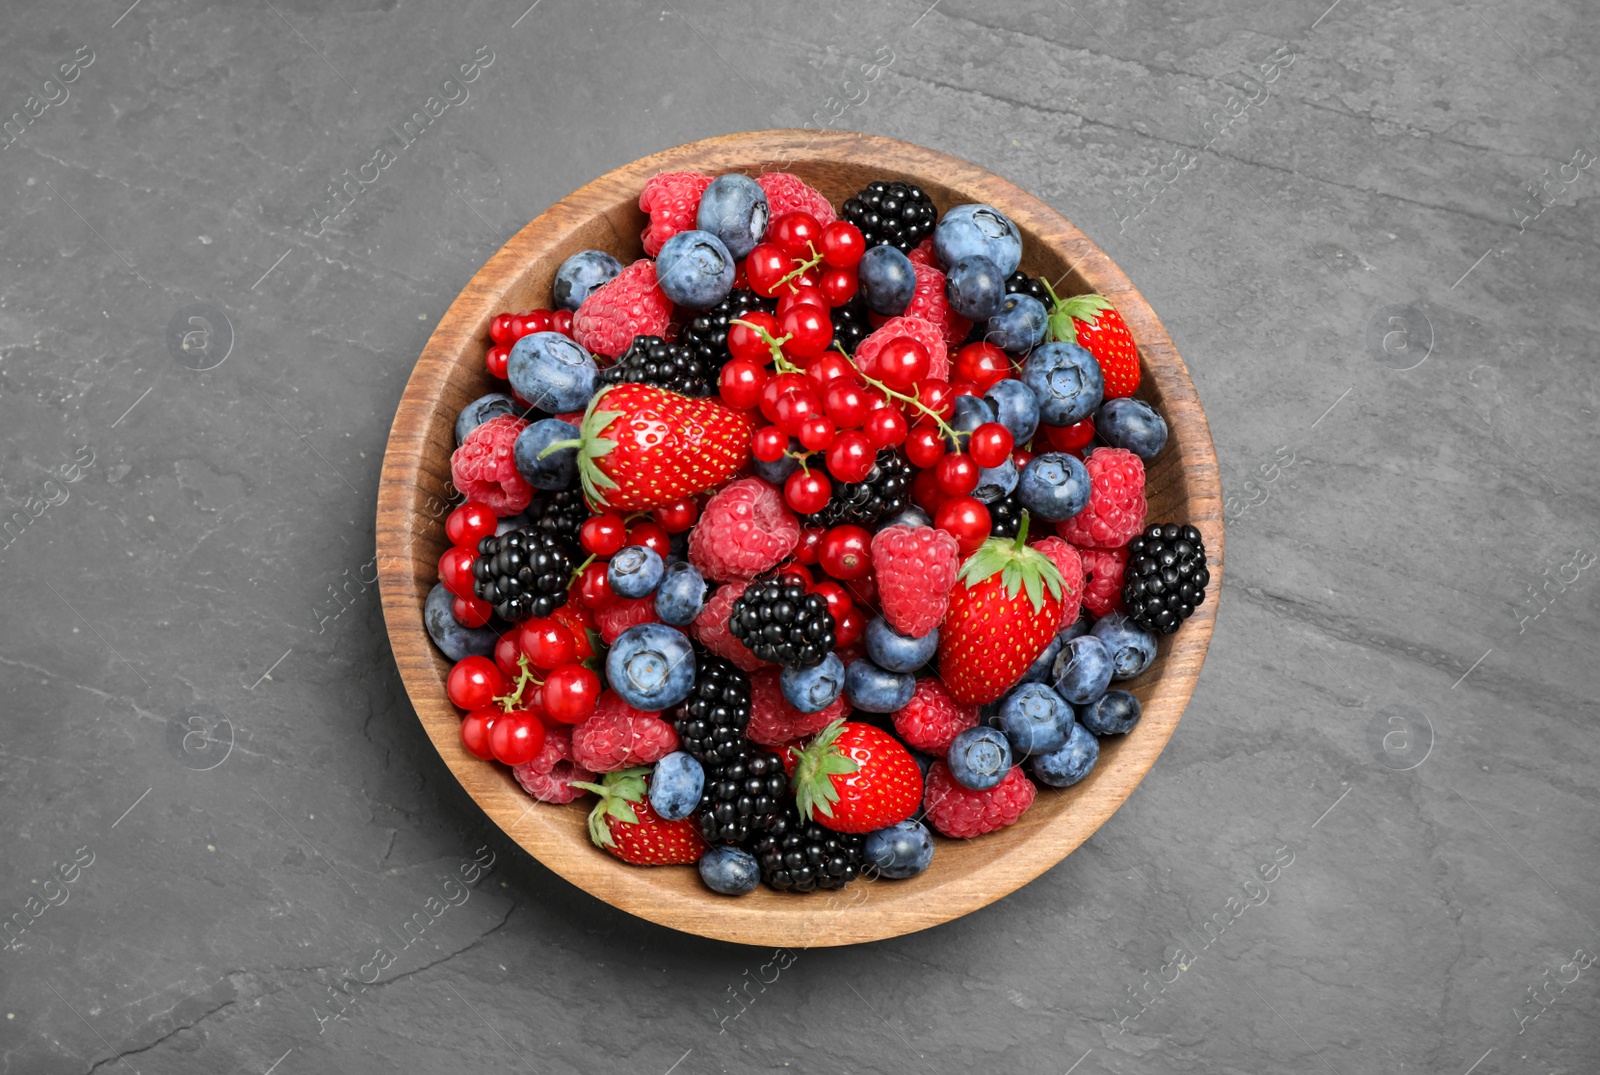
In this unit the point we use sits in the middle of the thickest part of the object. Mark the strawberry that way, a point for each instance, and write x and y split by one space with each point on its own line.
624 824
641 447
1000 620
856 778
1092 322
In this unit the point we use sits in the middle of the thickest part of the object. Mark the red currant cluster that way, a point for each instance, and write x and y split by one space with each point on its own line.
507 328
606 534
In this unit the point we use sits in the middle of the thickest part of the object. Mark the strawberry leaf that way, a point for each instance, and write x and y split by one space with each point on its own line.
813 774
618 792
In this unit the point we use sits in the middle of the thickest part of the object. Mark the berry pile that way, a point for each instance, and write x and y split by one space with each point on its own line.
806 536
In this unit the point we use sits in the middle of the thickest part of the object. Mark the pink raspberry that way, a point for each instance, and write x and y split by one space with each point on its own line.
789 193
932 719
929 303
922 254
484 470
617 735
960 812
671 199
927 333
773 721
711 628
1070 564
1115 513
1102 587
744 529
915 568
614 313
549 776
622 614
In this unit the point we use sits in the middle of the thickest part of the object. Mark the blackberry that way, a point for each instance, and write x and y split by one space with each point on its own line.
1166 576
1005 516
850 325
560 514
779 622
522 573
711 721
801 856
895 213
742 796
653 361
707 334
1020 283
885 491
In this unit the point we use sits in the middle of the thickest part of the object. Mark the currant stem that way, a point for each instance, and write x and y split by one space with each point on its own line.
944 428
804 266
780 362
509 702
579 570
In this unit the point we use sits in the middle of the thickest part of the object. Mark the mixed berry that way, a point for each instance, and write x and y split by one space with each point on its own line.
806 536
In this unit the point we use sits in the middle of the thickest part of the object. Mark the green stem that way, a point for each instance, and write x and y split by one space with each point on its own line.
780 362
556 446
1022 531
803 267
509 702
944 427
579 570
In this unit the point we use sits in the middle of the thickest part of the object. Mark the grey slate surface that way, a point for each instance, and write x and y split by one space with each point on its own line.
1381 705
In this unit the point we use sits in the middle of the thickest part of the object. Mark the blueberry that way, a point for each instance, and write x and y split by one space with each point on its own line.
778 471
651 666
1066 380
681 595
1035 719
1069 763
1113 713
996 482
1080 626
895 652
900 851
734 209
1015 407
581 274
911 516
873 690
1054 486
1132 647
1039 670
978 229
552 372
559 469
811 690
481 410
454 640
1083 670
970 412
975 287
979 758
731 871
1132 424
1018 326
695 270
675 786
888 280
635 571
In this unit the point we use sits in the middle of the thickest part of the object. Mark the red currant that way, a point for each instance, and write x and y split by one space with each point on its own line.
1021 457
809 331
519 326
886 427
745 342
842 244
847 629
470 611
828 367
776 386
455 570
938 397
766 267
506 652
652 535
958 474
469 524
817 433
838 598
799 572
965 388
570 693
594 588
547 642
561 321
793 408
475 729
850 457
983 364
474 682
795 233
1069 438
740 383
806 551
677 516
838 286
604 535
966 520
924 446
500 329
516 737
769 443
846 552
807 491
539 320
989 444
805 296
495 360
845 401
925 491
903 362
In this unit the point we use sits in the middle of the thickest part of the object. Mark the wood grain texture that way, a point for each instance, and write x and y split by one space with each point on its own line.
1183 485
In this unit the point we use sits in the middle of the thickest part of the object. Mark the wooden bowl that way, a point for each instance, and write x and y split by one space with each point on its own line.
965 875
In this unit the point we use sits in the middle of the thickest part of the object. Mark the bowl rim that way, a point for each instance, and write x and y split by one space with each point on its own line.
547 833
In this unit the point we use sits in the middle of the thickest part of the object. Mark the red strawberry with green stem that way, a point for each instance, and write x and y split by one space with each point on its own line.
641 447
1004 610
856 778
623 823
1092 322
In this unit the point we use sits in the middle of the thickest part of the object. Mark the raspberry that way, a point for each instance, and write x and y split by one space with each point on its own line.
1115 513
617 735
614 313
744 529
915 568
927 333
711 628
671 199
622 614
484 470
774 722
960 812
932 719
549 776
1102 588
929 303
1070 564
922 254
789 193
